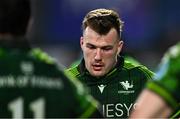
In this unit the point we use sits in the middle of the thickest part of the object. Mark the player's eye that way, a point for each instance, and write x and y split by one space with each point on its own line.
90 46
107 48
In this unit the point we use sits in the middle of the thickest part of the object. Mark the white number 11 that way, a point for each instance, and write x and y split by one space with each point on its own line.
37 107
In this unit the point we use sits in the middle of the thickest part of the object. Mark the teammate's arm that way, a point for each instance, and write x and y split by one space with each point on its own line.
151 105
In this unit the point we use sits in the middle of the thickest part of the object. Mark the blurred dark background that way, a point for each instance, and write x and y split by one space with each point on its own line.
150 27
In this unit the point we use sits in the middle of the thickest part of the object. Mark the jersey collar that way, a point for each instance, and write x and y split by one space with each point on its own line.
82 69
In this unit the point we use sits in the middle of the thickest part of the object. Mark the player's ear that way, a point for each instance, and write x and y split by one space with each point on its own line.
81 42
120 45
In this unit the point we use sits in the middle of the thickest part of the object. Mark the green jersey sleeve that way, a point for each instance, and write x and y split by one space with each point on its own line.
167 80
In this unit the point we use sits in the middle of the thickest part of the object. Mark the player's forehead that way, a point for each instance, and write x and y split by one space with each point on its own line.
91 36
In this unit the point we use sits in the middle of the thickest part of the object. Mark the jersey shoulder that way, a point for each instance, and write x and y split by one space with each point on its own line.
38 54
170 64
172 56
73 71
138 66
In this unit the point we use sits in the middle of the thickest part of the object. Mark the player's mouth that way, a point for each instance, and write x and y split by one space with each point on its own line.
97 67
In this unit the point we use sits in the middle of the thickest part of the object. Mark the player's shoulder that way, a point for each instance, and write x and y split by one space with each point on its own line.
41 56
131 66
73 70
173 52
170 62
171 58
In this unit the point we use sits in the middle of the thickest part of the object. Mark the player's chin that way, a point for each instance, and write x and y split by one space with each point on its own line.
98 73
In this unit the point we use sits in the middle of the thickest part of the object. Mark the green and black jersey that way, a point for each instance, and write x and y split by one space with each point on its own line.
33 86
118 90
167 80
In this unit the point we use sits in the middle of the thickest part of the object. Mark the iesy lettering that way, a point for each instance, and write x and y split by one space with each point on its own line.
117 110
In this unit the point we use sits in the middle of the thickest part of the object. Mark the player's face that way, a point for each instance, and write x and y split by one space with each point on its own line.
100 51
